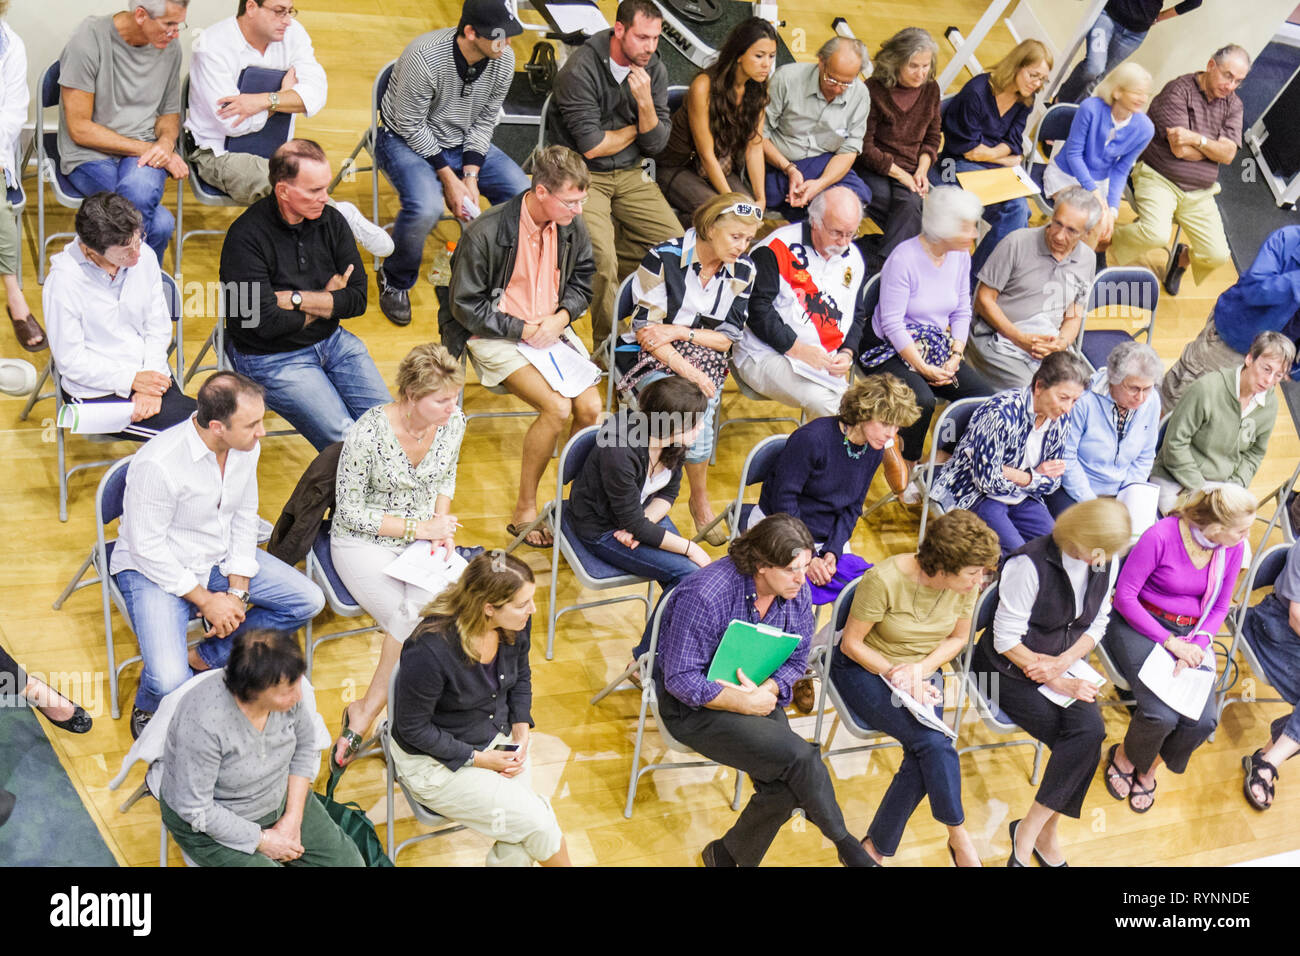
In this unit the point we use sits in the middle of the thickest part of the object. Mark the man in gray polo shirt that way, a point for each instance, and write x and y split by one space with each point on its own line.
816 118
120 111
1032 293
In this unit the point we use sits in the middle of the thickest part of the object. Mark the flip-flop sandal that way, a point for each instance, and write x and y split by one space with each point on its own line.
1253 765
1126 777
25 329
523 531
354 742
1141 791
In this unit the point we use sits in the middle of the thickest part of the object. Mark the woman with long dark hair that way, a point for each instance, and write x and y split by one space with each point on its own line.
716 144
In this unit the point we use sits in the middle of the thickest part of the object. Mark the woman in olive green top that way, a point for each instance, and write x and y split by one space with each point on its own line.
911 615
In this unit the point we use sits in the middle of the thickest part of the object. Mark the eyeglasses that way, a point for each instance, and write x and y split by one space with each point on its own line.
573 205
839 234
745 210
281 13
171 28
838 84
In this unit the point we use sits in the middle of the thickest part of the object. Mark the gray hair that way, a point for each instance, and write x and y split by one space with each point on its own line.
1275 344
156 8
1221 55
896 52
1079 198
817 208
1059 368
946 210
1131 358
835 43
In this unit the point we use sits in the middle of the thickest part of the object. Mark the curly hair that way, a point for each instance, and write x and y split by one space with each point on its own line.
733 125
772 543
880 398
957 540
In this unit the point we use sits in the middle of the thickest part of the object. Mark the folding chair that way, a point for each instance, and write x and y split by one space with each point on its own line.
320 568
48 171
614 344
204 192
1281 497
760 461
650 706
592 573
1263 574
820 662
948 429
495 390
969 688
423 815
746 392
1052 128
1133 293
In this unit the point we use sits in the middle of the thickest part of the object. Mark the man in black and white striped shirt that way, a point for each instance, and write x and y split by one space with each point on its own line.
435 145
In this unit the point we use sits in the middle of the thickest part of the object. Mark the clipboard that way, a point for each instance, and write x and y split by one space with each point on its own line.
757 649
998 185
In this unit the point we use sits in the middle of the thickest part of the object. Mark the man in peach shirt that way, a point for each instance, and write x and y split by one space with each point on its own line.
523 273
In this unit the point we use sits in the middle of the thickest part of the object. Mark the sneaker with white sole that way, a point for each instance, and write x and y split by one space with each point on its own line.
374 240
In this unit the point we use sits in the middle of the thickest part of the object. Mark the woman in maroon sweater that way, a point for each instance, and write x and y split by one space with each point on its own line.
902 140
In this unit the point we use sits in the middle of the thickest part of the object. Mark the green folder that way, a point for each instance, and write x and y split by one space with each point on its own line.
757 649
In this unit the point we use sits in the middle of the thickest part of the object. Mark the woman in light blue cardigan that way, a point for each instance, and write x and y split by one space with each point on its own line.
1109 132
1113 428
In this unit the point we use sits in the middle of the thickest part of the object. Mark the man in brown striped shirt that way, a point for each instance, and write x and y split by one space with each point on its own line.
1198 129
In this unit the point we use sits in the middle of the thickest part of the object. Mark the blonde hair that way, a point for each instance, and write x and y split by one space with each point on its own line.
712 213
489 579
1217 507
1026 53
1127 76
880 398
1097 527
558 166
427 369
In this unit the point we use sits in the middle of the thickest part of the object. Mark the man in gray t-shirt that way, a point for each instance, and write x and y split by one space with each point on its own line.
119 116
1032 293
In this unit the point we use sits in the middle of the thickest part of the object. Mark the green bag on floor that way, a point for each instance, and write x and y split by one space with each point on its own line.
354 822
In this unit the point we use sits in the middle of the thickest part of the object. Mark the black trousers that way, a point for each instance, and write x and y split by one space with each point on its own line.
896 210
176 408
969 384
786 769
1074 734
12 681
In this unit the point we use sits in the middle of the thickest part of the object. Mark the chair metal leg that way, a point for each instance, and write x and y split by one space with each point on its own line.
620 682
1038 764
36 395
635 776
139 792
63 474
735 800
115 706
76 583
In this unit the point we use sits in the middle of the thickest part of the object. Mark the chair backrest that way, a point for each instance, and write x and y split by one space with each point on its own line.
541 121
1160 431
953 422
111 492
1267 568
172 293
676 97
1055 125
575 453
625 302
1128 293
380 88
50 85
761 459
985 607
871 296
843 604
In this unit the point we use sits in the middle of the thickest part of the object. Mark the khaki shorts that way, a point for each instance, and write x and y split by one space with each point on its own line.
495 360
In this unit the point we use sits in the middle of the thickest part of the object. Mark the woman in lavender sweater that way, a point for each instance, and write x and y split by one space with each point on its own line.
921 325
1174 590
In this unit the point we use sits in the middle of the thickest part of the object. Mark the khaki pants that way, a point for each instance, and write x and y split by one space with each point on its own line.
8 241
241 176
626 214
1204 354
774 377
1160 204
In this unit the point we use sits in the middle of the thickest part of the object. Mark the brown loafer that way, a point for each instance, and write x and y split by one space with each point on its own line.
804 695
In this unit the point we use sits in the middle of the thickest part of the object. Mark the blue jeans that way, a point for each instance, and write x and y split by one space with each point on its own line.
1108 45
777 185
282 599
142 185
320 390
1015 524
1268 630
420 191
1003 217
930 763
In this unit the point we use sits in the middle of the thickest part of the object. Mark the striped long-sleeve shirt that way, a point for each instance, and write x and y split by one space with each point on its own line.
437 101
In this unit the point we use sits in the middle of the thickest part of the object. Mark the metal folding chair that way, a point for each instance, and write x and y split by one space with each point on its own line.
949 426
48 171
760 461
1263 573
320 568
1130 294
1052 128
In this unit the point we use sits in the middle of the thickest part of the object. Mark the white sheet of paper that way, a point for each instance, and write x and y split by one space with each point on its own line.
820 376
563 368
1186 693
1141 499
95 418
1080 670
1025 179
572 17
470 208
924 713
431 570
1040 324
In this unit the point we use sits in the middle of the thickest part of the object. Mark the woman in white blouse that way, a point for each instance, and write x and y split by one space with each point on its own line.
14 100
396 478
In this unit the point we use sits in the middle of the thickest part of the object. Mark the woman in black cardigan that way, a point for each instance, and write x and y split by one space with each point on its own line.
620 500
461 713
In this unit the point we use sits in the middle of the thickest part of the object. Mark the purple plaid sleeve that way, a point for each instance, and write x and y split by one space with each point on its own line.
702 607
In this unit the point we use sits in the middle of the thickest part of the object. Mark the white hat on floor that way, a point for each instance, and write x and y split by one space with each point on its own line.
17 377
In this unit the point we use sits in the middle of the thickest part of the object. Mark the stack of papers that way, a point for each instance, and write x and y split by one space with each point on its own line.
95 418
563 368
1079 670
424 567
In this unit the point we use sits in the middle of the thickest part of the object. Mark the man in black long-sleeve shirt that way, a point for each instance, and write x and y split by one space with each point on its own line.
1118 31
290 272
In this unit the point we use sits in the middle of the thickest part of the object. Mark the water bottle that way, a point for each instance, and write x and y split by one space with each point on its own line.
440 273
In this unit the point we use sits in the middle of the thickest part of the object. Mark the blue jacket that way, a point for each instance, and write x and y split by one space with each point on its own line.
1090 159
1096 462
1267 297
995 437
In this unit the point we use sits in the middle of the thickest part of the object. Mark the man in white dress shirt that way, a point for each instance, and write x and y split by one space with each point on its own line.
110 322
187 543
263 34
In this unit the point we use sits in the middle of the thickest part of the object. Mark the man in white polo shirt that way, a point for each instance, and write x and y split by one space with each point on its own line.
806 313
263 34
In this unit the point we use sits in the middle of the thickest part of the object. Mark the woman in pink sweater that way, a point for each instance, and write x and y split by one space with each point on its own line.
1174 591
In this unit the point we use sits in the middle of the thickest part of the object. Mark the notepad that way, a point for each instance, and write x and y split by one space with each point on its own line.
1185 693
998 185
564 369
432 570
924 713
1079 670
757 649
95 418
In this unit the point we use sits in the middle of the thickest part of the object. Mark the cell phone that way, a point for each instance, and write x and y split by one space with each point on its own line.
507 747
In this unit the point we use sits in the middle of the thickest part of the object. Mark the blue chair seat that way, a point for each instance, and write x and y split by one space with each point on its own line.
321 549
1097 345
745 511
596 568
16 196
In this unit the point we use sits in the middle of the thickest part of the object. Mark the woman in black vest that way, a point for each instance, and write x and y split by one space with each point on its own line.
1053 606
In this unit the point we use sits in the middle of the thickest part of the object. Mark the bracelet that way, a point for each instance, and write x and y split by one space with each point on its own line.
408 535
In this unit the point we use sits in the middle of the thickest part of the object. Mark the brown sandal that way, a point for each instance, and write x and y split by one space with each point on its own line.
25 329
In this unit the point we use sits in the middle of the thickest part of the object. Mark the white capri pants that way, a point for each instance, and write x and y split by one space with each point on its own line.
507 809
395 605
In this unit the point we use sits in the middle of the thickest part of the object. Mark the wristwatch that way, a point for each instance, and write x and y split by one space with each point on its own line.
275 101
239 593
296 300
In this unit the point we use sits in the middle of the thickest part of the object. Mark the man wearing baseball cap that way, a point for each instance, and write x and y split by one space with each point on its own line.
435 144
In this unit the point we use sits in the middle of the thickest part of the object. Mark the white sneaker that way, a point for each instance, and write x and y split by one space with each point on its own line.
374 240
17 377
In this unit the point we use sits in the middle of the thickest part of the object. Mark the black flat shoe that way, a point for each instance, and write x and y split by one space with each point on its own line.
1013 860
78 723
714 855
1174 276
